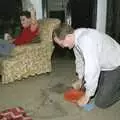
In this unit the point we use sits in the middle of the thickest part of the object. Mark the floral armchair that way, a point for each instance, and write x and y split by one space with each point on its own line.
31 59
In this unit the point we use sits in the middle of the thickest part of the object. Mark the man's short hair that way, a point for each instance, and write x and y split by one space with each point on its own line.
26 14
63 30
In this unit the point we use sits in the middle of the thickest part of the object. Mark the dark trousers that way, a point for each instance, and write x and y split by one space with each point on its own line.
5 47
108 91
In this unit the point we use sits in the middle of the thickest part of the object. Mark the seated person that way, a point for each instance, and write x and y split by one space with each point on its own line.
30 31
30 28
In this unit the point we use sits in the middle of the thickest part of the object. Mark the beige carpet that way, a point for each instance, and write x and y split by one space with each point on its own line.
42 96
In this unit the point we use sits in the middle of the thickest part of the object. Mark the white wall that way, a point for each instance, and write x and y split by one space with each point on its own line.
101 15
37 5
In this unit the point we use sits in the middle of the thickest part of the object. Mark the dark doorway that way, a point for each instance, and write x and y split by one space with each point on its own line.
83 13
9 14
113 19
58 14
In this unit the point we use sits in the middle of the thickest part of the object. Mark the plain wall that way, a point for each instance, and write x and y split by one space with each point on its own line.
101 15
37 5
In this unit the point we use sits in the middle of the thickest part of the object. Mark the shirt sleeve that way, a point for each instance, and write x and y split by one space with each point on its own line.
26 37
18 40
92 67
79 64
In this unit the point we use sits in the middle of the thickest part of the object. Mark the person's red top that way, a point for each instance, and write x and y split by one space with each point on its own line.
26 36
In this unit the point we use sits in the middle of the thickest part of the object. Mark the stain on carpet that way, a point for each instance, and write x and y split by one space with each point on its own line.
59 88
48 108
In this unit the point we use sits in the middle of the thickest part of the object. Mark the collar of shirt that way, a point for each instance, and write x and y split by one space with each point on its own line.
79 33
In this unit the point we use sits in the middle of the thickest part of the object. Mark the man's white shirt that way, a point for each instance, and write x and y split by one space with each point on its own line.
94 52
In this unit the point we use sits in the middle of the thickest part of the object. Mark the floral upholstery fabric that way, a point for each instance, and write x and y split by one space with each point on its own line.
30 59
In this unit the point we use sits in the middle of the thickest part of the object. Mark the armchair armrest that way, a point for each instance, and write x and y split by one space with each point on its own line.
46 28
23 49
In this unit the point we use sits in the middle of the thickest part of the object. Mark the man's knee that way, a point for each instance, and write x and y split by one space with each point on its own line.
102 102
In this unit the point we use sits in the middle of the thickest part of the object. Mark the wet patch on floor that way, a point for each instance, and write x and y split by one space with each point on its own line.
59 88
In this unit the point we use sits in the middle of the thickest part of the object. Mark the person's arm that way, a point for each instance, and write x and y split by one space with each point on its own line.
34 23
92 67
79 62
17 40
9 38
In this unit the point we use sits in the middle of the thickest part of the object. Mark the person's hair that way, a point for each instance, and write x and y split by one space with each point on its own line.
26 14
63 30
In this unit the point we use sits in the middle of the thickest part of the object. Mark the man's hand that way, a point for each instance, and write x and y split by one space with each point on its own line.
77 84
58 41
83 100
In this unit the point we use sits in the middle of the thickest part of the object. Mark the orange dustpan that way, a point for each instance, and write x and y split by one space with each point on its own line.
73 95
